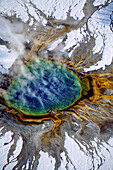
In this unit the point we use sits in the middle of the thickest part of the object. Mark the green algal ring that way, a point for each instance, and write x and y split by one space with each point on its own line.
44 86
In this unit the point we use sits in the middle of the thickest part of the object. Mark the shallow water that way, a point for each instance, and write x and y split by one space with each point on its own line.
76 30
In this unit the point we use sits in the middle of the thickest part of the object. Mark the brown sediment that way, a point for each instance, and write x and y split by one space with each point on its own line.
86 111
50 36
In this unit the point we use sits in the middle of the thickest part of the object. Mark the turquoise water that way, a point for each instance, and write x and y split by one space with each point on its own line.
43 86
